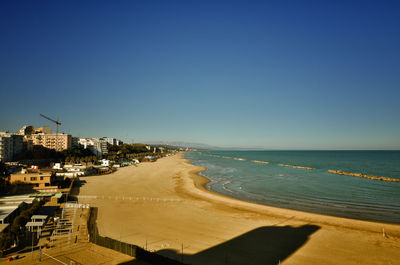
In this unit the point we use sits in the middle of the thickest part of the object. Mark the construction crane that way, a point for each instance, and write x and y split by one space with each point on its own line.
58 123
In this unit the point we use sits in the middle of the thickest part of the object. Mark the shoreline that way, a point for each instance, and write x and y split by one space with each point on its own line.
279 207
200 182
166 208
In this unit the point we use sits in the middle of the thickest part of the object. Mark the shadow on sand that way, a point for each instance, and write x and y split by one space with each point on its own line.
267 245
76 187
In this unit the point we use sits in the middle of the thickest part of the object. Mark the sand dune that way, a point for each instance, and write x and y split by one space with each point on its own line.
164 206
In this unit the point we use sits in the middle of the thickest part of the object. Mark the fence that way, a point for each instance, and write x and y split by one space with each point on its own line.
125 248
76 205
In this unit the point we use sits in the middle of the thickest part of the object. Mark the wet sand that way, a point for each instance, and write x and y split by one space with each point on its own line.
164 207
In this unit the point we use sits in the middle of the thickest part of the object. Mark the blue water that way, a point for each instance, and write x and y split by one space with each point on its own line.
308 190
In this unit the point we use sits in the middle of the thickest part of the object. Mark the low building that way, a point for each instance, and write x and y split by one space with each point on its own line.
11 145
53 197
57 166
103 170
47 189
73 174
105 162
9 206
73 171
39 180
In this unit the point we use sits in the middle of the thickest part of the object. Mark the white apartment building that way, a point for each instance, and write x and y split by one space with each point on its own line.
110 140
10 145
98 146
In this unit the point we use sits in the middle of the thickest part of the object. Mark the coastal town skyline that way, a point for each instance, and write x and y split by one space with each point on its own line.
226 74
199 132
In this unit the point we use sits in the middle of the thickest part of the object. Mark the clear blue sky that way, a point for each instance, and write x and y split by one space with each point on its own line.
272 74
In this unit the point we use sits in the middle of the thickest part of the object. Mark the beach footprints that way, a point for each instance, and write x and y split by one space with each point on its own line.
130 198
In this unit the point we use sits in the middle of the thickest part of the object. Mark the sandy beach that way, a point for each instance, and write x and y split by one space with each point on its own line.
164 207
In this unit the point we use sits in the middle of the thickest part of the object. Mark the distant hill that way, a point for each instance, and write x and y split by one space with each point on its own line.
204 146
184 144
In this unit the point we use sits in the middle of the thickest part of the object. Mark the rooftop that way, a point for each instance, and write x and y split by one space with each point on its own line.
39 216
3 227
9 204
35 224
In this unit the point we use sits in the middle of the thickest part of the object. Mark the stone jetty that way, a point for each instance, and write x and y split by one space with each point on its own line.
261 162
300 167
360 175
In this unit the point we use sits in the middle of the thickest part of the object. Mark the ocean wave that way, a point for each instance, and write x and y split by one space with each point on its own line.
308 190
229 170
224 186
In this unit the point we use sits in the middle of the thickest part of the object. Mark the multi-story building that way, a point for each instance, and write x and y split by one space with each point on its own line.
54 141
98 146
10 146
86 142
110 140
26 130
75 142
101 145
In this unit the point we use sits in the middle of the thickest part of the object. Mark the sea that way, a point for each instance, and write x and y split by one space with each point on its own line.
234 173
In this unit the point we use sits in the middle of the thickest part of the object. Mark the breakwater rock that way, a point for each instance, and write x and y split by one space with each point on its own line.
300 167
360 175
261 162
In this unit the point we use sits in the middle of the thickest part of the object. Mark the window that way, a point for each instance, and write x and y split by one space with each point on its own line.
41 178
33 178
